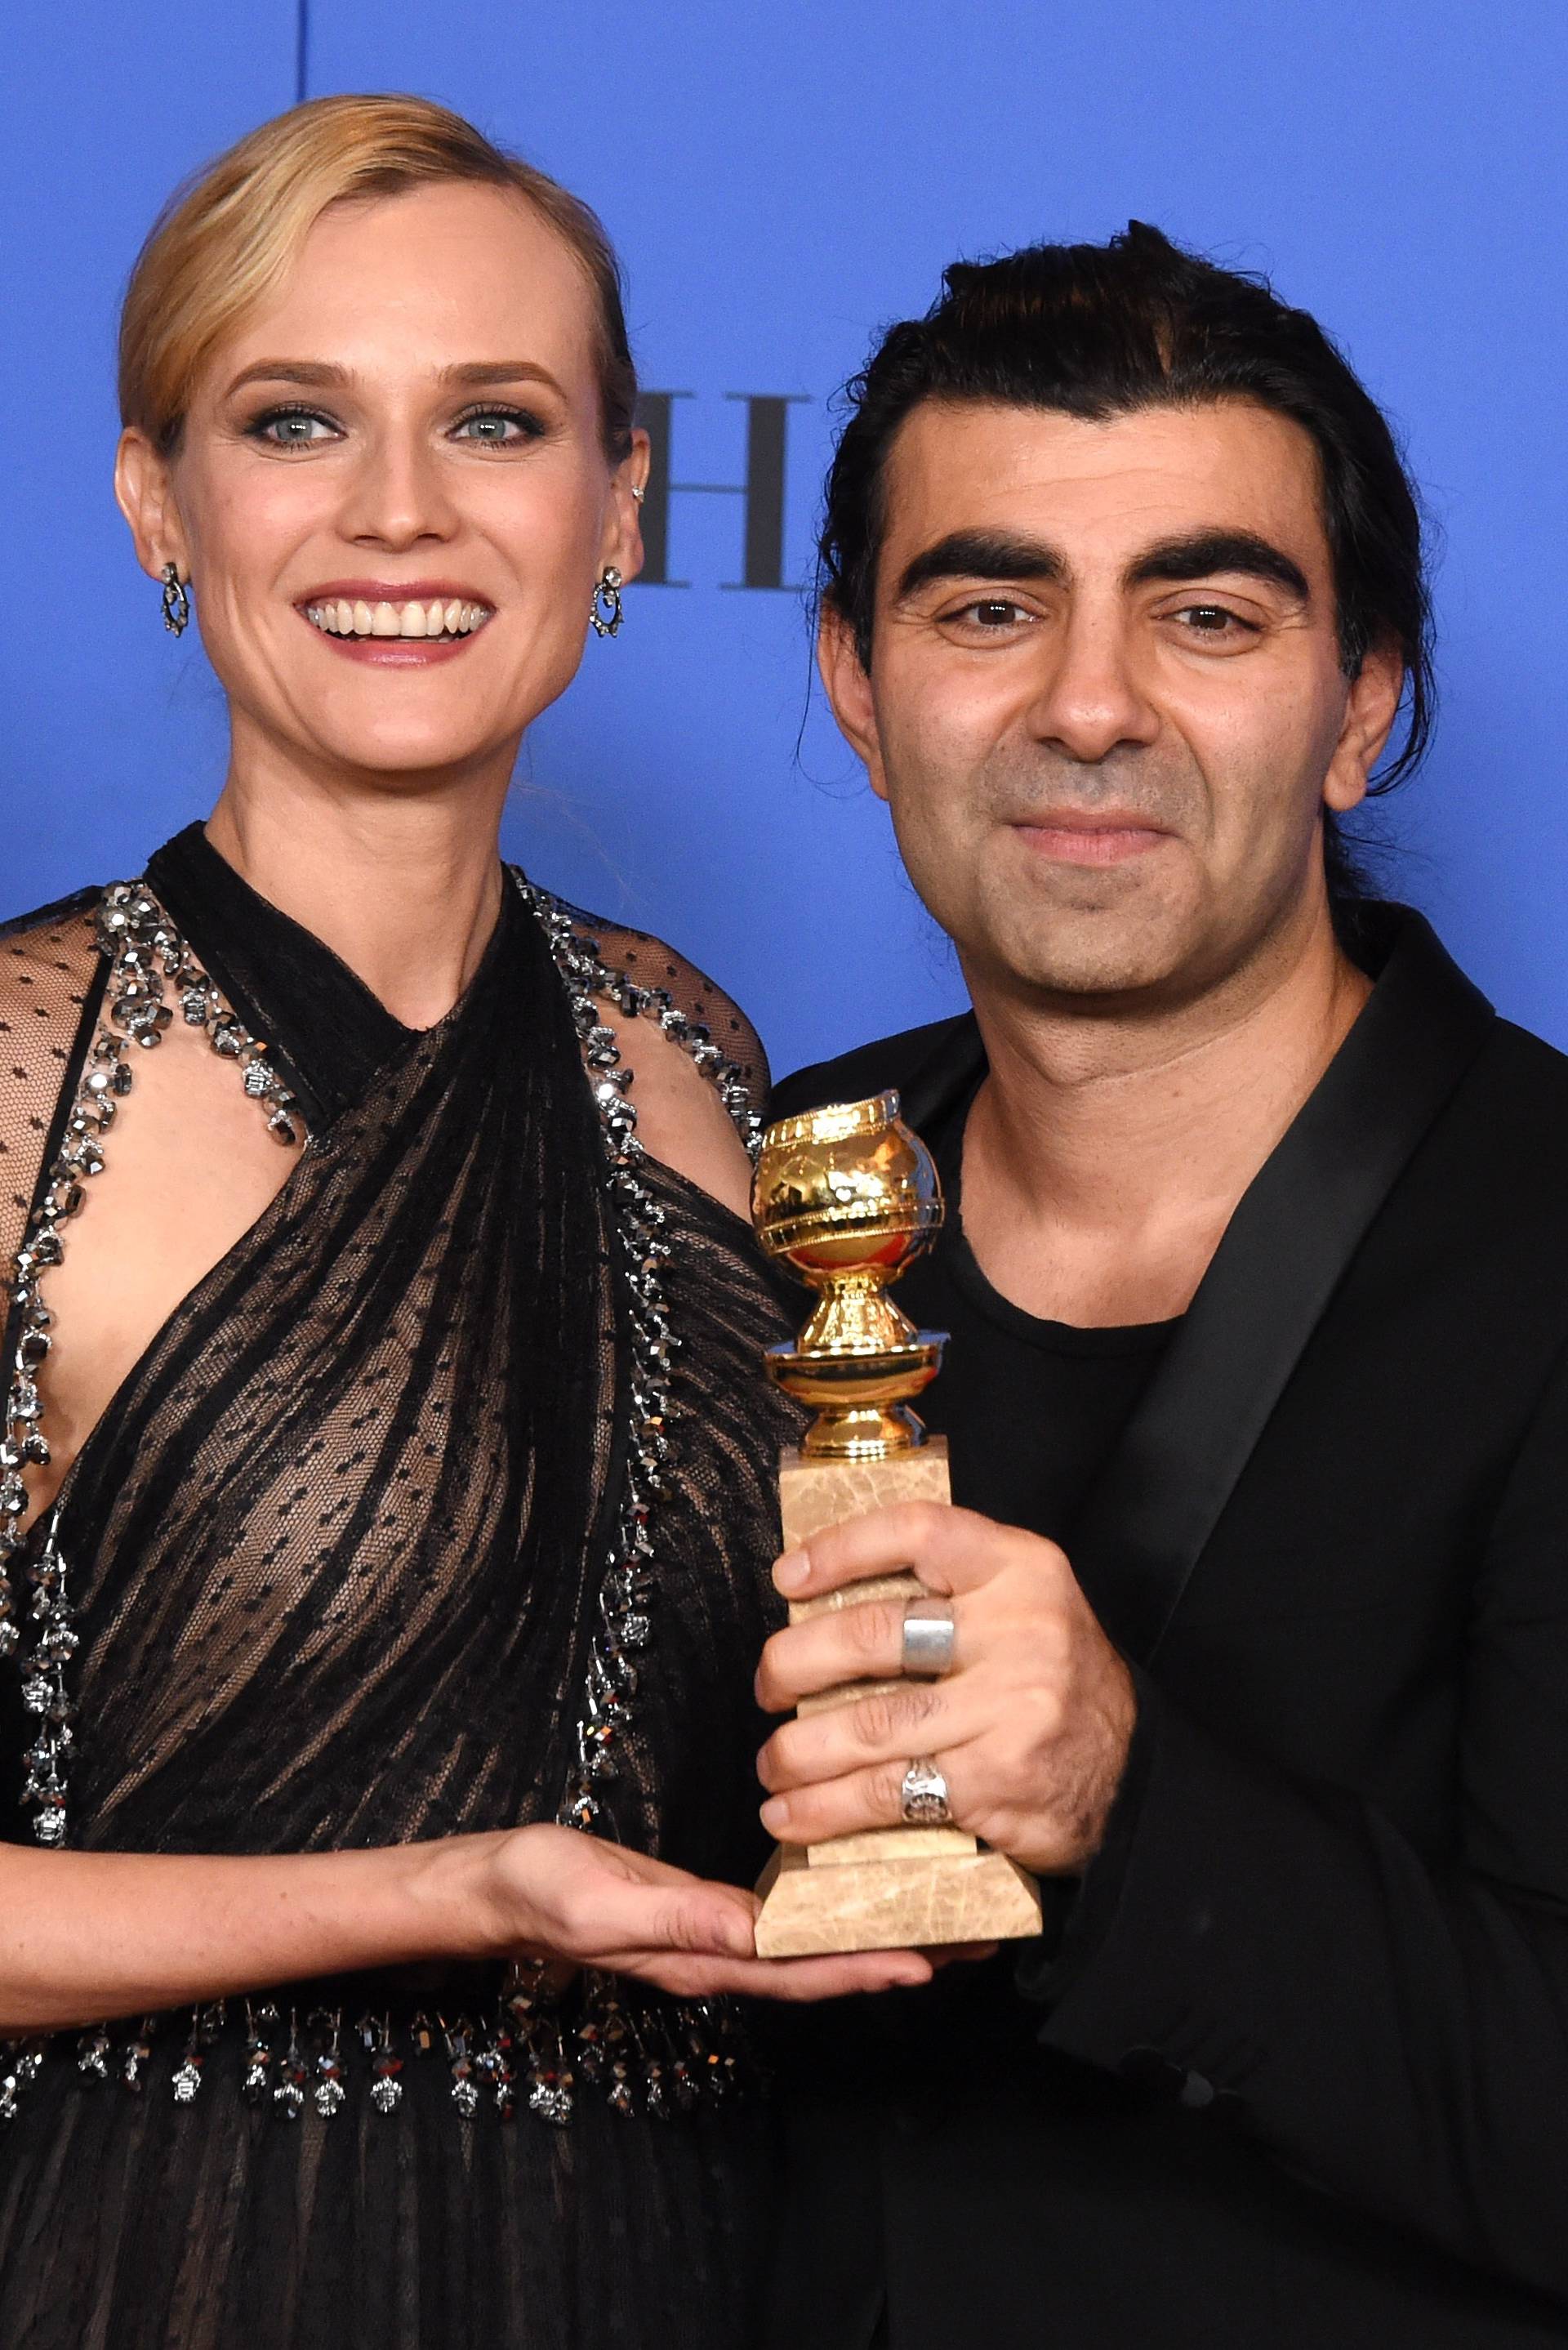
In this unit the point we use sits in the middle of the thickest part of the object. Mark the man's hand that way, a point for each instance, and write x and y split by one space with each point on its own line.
1031 1728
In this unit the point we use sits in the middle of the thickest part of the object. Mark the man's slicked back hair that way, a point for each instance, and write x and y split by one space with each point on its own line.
1103 331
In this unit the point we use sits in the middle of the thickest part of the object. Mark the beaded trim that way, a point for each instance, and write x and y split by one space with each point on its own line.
147 957
528 2049
658 2060
628 1589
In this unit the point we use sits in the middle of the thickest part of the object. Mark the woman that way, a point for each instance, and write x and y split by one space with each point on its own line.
387 1471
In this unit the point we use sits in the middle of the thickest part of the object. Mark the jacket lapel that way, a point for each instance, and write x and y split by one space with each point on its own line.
1149 1515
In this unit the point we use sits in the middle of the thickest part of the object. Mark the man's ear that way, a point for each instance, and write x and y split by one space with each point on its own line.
1371 707
848 689
145 495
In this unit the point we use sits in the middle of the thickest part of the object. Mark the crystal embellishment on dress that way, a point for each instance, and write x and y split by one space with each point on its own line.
147 959
627 1590
329 2095
628 2075
659 2060
187 2081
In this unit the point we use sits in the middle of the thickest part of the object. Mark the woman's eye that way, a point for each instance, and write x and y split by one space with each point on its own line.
498 428
293 428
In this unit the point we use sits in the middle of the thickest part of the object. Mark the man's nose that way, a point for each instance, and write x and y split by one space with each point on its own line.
397 495
1091 700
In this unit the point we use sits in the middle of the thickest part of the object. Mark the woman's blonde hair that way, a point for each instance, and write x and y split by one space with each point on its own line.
225 239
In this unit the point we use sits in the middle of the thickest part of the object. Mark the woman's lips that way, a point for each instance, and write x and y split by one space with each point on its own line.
394 652
395 624
1100 843
391 652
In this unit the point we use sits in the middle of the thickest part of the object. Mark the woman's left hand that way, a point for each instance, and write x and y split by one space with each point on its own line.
1029 1730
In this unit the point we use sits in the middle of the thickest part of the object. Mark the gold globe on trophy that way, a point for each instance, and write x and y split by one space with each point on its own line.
847 1197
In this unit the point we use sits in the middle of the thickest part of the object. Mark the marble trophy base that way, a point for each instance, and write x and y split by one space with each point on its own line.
893 1888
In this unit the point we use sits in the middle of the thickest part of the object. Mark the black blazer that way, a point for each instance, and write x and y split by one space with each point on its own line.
1296 2073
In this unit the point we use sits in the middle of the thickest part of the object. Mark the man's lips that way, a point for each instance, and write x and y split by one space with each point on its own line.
1109 836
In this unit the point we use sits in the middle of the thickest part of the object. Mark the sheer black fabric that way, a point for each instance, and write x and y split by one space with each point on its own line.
335 1548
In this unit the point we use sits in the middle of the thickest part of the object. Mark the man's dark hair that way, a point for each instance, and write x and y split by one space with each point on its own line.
1101 331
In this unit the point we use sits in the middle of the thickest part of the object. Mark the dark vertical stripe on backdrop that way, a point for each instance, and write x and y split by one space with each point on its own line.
302 52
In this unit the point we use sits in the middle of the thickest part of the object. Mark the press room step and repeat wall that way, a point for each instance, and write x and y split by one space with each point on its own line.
782 176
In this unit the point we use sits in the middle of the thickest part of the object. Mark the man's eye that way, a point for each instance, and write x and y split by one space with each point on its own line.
1211 620
293 428
992 612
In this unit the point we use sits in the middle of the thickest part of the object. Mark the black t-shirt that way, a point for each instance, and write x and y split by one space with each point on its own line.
1031 1411
1031 1408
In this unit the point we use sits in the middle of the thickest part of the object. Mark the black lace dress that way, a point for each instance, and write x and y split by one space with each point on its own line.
444 1502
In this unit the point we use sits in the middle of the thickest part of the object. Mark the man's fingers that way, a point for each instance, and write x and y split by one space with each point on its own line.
951 1550
872 1798
893 1722
851 1644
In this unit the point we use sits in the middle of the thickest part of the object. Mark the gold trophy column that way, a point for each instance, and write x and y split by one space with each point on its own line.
847 1197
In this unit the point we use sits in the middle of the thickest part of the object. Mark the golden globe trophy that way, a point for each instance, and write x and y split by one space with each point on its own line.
847 1197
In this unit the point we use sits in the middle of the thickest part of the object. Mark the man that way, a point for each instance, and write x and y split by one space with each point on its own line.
1256 1272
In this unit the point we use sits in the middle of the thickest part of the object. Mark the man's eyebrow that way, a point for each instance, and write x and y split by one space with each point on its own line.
981 555
1198 555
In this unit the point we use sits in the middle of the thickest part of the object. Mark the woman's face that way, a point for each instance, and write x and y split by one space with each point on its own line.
391 494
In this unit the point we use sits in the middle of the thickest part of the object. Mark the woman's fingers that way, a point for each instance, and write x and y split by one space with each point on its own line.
688 1916
628 1914
833 1977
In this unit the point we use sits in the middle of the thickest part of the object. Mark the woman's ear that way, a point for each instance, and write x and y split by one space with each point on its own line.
847 685
145 494
623 523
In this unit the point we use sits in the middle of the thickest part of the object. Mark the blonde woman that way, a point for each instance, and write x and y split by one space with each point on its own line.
385 1493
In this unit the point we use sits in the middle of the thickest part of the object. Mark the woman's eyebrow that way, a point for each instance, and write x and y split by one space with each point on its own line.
478 371
321 374
318 373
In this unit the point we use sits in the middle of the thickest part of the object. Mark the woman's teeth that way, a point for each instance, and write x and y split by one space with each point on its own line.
442 618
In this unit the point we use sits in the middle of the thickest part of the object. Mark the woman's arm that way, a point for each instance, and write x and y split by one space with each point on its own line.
90 1936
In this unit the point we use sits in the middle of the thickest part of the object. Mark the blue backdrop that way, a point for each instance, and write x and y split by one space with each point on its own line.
780 178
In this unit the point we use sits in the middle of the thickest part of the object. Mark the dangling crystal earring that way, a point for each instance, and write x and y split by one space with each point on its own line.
176 603
604 612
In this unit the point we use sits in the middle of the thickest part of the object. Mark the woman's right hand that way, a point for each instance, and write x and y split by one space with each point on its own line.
554 1892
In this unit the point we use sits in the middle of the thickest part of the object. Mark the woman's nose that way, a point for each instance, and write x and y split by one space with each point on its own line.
397 495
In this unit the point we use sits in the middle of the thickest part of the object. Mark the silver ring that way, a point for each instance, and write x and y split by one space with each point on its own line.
927 1643
923 1797
639 492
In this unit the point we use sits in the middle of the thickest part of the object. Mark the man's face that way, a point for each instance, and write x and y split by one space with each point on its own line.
1105 701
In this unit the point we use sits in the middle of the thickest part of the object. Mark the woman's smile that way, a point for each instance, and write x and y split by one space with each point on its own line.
385 624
